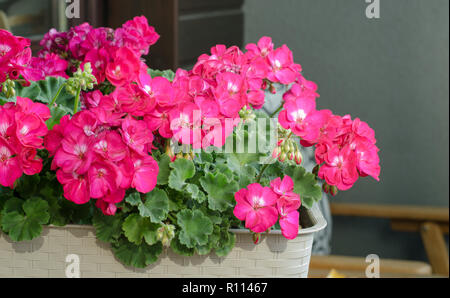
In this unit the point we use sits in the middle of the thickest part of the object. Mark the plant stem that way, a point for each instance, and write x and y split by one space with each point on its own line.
57 94
264 168
77 101
278 110
171 218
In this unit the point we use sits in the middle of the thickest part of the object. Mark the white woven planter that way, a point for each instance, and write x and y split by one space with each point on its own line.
273 257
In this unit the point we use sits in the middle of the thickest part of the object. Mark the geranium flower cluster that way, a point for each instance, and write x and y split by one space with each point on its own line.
103 47
100 158
345 148
261 207
16 61
22 128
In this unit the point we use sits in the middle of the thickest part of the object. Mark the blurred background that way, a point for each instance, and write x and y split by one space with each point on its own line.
392 72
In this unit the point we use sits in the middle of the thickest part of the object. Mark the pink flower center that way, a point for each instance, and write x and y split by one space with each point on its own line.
5 154
258 203
80 150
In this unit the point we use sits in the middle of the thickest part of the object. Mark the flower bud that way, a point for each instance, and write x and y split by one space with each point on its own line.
256 238
276 152
333 190
326 188
282 157
316 169
273 89
165 234
291 156
298 158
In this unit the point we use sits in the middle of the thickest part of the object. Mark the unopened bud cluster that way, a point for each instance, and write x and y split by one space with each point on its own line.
287 148
8 88
247 114
330 189
81 80
165 234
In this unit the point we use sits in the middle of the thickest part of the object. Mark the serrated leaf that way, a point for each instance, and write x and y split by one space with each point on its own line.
57 215
180 248
139 256
305 185
107 228
136 227
134 199
195 193
195 227
220 191
225 244
164 169
182 170
26 225
49 88
156 206
168 74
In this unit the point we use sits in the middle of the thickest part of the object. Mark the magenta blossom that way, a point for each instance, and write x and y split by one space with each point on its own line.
255 206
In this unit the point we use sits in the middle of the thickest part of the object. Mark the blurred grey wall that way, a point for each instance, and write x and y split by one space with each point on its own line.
391 72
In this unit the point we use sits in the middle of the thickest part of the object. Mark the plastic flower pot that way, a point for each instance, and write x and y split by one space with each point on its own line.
74 251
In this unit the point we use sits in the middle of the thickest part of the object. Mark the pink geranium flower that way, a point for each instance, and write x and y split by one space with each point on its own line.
340 167
145 173
295 117
255 206
285 190
75 154
136 135
284 70
76 187
9 165
124 67
289 221
103 178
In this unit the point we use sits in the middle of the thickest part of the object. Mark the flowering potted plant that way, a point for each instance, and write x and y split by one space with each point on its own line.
153 160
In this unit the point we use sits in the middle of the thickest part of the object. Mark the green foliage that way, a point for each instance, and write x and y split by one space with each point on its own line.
108 228
136 228
164 169
305 184
156 206
195 228
168 74
220 191
23 220
139 256
182 170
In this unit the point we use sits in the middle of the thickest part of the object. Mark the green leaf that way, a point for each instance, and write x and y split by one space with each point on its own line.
57 215
28 186
195 193
305 185
168 74
134 199
164 169
225 244
180 248
27 225
195 227
156 206
182 170
136 228
107 228
139 256
49 88
220 191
